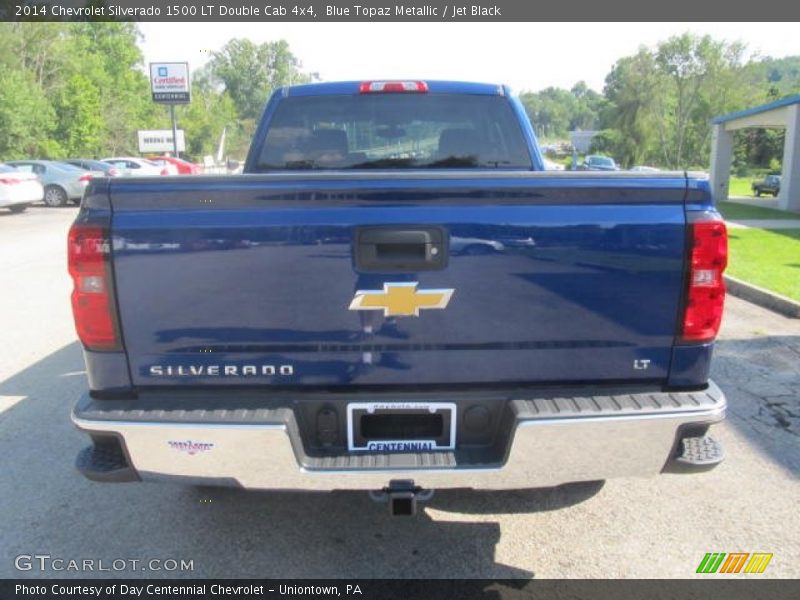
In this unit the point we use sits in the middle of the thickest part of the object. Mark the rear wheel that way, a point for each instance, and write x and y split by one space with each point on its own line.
758 194
18 208
55 196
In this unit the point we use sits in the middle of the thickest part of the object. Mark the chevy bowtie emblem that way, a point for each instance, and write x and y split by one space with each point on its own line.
400 299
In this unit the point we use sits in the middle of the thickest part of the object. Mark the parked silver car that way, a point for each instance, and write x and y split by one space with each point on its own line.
62 182
88 164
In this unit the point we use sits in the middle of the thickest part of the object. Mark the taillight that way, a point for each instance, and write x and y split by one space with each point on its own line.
9 181
89 253
371 87
705 296
85 178
164 171
113 172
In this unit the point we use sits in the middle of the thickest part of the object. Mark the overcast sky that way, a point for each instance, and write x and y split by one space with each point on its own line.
527 56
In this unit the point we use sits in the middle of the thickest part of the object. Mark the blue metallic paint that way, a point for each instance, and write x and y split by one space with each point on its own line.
690 365
258 270
577 292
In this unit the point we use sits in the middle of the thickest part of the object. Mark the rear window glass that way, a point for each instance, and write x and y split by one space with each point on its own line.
377 131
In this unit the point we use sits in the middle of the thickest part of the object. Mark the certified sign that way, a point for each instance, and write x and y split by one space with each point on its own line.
170 83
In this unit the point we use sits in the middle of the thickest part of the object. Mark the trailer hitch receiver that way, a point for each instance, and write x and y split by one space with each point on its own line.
402 496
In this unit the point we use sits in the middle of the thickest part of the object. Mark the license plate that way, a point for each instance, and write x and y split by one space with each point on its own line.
401 426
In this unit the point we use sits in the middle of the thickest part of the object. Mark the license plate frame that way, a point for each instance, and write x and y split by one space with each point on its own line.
357 443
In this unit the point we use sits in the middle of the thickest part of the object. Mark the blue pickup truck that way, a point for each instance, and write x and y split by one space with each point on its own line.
396 297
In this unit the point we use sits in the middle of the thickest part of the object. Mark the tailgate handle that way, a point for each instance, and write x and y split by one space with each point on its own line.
400 249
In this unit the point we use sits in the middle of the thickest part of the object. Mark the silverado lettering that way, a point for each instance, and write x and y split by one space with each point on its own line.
134 11
224 370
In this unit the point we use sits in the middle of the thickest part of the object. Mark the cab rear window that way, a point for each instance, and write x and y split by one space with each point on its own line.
394 131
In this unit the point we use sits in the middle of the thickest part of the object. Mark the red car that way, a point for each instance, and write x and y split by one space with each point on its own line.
184 166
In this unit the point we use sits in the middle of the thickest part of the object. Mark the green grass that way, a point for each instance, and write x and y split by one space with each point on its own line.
740 186
733 211
769 259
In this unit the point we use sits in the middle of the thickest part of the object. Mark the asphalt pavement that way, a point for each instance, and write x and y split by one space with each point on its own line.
659 527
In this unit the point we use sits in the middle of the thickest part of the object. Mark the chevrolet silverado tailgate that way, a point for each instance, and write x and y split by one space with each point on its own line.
276 280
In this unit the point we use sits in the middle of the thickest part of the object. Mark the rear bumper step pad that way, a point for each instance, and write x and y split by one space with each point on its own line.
697 454
553 438
105 463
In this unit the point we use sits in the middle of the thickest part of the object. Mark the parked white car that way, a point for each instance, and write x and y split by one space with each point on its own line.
18 190
140 167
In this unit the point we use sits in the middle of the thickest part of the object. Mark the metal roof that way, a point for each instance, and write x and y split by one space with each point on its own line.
756 110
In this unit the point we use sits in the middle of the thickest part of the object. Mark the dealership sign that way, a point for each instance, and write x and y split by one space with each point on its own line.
170 82
160 140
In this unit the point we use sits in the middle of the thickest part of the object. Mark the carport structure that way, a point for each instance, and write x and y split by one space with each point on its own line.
781 114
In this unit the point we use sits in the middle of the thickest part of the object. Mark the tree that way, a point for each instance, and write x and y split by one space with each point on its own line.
631 89
87 82
554 112
662 99
696 73
80 126
210 113
27 119
250 72
109 56
81 89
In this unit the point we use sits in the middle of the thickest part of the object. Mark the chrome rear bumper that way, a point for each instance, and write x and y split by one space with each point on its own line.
552 440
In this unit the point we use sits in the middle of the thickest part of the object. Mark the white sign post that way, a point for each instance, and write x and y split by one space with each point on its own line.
160 140
170 84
